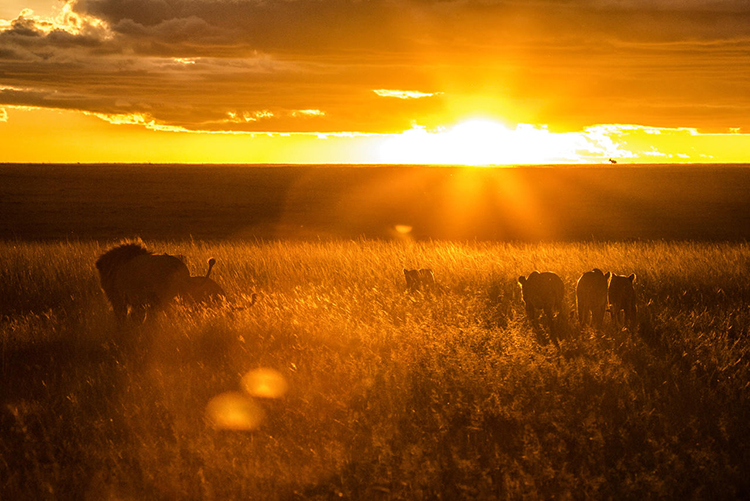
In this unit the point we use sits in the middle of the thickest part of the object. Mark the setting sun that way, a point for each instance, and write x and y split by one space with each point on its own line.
487 142
474 142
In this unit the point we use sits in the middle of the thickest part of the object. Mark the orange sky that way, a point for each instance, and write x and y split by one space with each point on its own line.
348 81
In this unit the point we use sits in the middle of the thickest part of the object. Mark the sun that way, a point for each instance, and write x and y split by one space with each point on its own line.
479 142
472 142
487 142
476 141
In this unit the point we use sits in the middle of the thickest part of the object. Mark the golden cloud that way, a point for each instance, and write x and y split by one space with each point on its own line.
404 94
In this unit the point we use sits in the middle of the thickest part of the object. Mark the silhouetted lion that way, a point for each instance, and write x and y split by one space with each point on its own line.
622 299
591 297
135 280
546 292
419 279
204 289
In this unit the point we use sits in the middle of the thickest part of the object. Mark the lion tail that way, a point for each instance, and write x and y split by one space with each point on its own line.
211 263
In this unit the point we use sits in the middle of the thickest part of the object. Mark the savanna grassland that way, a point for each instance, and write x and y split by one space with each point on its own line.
392 395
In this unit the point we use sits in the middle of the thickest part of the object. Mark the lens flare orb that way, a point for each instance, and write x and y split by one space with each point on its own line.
265 383
233 410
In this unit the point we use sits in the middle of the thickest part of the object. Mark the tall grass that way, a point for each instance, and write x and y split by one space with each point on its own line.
392 395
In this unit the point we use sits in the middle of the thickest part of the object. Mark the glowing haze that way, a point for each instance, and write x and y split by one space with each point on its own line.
382 81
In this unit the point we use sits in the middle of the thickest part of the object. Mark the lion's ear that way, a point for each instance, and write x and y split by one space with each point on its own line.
521 280
632 277
607 275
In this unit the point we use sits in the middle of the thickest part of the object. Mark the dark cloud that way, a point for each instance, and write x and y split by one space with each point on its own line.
23 27
296 26
254 64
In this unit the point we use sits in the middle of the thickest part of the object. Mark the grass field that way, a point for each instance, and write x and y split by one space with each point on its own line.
391 395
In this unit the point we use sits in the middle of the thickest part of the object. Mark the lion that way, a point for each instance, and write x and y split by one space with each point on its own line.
621 295
419 279
591 297
546 292
136 280
203 289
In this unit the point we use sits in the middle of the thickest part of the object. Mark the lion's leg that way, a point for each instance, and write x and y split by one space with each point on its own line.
157 309
562 308
160 303
563 319
531 314
138 313
549 315
583 312
598 316
630 315
618 316
554 328
121 312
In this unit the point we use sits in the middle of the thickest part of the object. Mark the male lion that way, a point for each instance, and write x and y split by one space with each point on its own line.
418 279
591 297
622 299
546 292
135 280
204 289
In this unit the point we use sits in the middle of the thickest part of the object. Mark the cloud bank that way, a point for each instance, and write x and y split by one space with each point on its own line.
313 65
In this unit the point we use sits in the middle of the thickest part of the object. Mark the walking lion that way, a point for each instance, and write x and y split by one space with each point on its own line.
544 291
204 289
591 297
422 279
135 280
622 300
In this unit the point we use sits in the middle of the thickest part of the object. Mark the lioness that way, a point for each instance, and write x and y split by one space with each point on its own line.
543 291
591 297
204 289
622 299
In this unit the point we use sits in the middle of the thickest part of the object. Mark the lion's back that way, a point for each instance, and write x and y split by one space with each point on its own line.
591 288
204 290
542 289
149 278
621 291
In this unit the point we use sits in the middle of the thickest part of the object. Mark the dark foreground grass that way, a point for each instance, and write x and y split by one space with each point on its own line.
391 395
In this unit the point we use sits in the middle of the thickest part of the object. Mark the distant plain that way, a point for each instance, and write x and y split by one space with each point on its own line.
392 394
694 202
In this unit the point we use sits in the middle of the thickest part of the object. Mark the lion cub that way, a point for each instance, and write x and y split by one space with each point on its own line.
423 279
